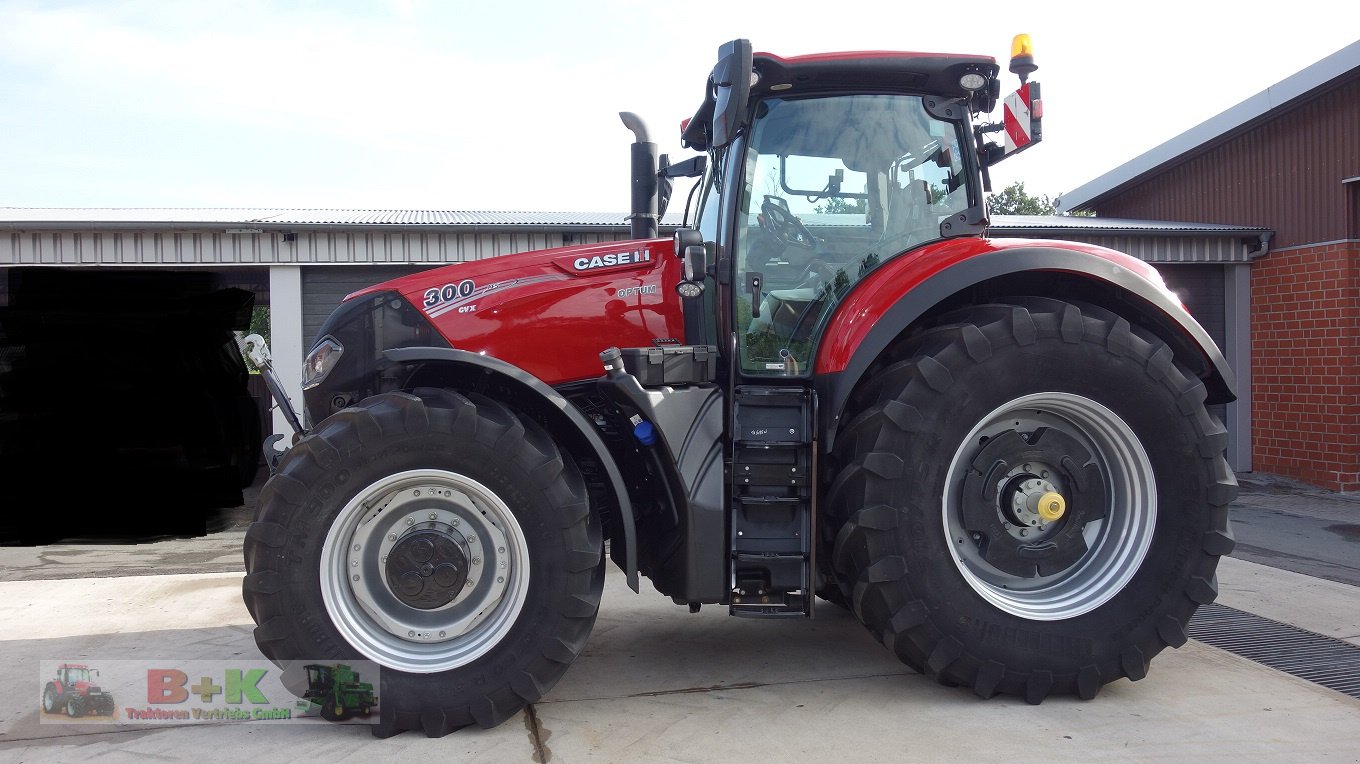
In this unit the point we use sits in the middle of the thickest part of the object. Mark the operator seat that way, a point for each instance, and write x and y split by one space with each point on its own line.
909 218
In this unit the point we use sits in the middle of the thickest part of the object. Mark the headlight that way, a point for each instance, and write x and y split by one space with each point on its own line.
320 362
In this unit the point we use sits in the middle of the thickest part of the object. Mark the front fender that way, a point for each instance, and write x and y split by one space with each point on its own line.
891 299
552 404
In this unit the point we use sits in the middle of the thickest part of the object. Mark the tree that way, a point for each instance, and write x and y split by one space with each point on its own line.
836 205
1014 200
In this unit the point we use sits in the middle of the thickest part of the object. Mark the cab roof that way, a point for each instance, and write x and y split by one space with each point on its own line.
933 73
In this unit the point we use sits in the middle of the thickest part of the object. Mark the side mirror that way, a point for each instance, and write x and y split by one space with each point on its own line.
690 168
731 89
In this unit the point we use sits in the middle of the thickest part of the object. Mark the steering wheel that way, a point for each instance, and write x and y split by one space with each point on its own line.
815 273
776 219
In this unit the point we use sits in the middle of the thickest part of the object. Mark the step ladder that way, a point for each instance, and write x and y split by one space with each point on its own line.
773 502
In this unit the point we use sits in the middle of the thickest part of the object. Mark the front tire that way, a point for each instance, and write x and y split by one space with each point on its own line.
439 535
1034 501
50 698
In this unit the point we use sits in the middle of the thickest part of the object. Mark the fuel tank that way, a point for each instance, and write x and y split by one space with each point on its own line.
551 312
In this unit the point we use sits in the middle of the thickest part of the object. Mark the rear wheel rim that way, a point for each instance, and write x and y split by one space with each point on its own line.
1116 543
362 601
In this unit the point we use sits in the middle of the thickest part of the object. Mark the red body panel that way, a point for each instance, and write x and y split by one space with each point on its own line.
551 312
873 296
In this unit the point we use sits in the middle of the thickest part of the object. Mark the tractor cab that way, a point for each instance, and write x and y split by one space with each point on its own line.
71 675
834 186
320 681
825 167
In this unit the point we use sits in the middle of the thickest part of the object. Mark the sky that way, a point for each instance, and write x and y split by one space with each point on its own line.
411 104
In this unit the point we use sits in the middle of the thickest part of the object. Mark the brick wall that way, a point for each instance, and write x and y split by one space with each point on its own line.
1305 337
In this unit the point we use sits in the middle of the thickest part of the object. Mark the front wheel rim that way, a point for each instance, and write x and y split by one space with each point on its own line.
369 613
1116 544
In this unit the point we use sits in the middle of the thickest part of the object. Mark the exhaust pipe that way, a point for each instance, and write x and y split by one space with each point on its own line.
643 220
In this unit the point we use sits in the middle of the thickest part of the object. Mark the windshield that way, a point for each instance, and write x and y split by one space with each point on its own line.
77 675
833 187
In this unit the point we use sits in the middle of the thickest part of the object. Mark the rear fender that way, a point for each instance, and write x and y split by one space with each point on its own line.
574 432
869 321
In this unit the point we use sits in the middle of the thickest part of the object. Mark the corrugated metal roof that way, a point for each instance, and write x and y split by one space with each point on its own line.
1272 98
153 237
37 217
156 217
1075 224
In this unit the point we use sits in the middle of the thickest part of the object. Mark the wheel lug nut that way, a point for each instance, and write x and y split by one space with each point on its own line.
417 493
472 539
441 634
500 550
410 633
476 561
356 547
433 516
456 522
409 521
391 537
356 576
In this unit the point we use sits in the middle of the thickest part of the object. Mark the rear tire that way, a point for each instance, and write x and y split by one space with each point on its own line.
511 598
994 414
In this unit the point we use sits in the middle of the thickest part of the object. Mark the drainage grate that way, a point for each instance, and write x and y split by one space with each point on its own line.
1323 660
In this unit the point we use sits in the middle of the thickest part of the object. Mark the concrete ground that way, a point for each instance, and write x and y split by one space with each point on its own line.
658 684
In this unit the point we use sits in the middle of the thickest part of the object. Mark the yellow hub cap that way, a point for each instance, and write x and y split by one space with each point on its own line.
1052 506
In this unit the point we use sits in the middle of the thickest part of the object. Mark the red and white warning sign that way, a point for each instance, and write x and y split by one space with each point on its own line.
1022 112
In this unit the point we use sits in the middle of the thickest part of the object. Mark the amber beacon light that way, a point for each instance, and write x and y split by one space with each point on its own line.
1022 57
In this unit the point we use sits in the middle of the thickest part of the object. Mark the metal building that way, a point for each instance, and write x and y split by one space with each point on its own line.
301 263
1287 158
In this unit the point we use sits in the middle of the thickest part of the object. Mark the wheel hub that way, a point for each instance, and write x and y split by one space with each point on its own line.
1021 496
424 570
427 569
1050 505
1016 501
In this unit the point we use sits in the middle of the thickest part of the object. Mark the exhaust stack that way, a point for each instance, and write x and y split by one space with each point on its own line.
643 219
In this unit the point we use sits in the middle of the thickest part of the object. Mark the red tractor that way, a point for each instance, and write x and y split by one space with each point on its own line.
995 453
73 690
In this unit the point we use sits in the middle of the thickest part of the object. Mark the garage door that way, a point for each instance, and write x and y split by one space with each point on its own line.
1200 287
323 287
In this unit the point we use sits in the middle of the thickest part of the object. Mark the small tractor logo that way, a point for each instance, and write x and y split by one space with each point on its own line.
338 691
74 692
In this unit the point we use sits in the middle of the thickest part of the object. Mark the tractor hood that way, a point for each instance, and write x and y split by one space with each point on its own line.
550 312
